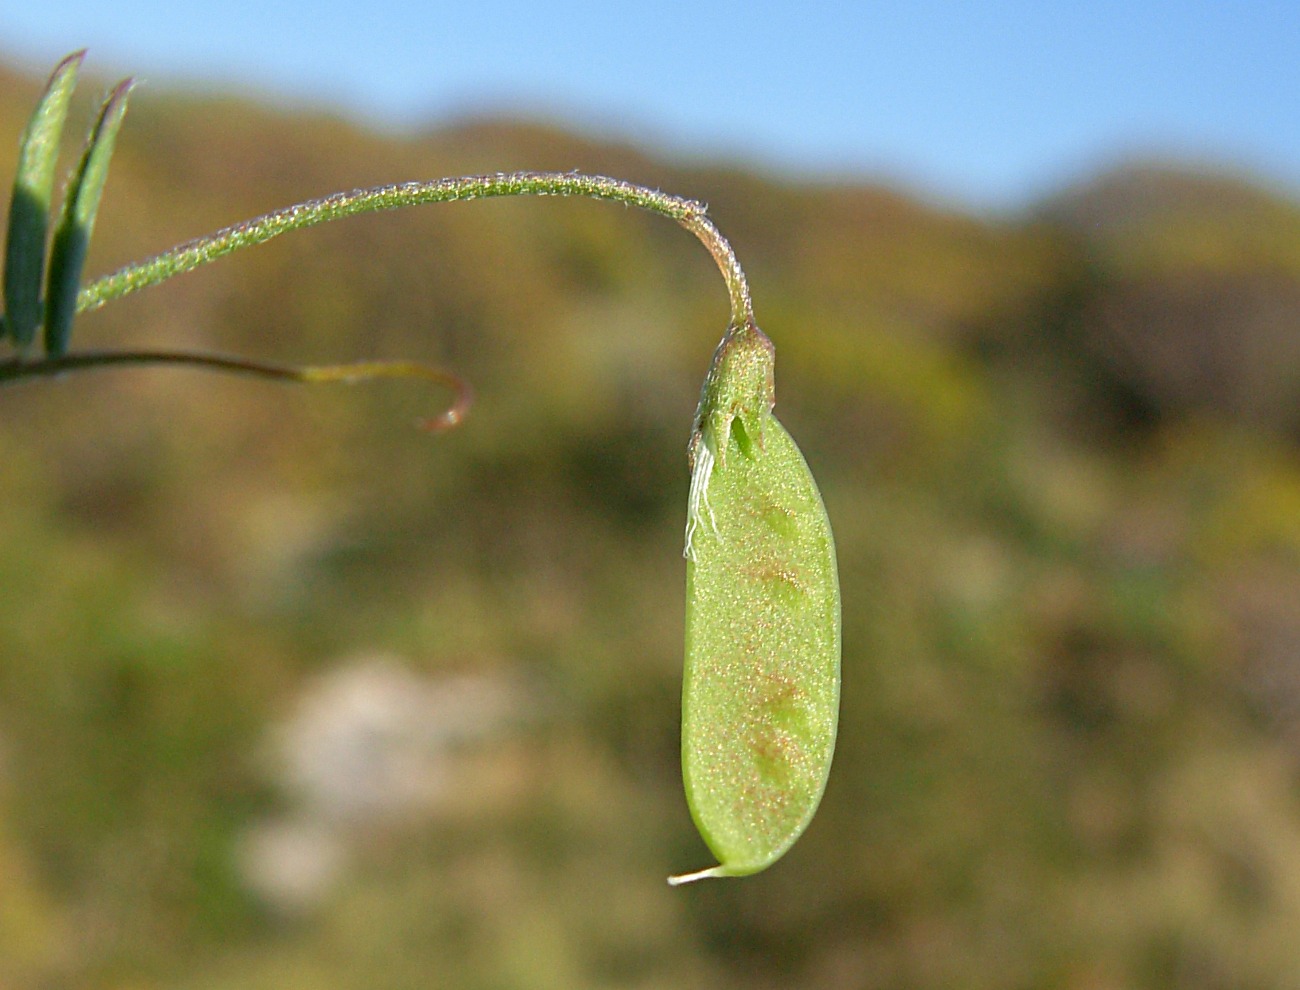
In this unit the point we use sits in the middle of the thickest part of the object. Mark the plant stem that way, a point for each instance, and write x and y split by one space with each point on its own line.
17 370
689 213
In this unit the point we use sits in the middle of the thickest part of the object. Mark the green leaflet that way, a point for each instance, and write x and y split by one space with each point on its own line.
77 222
760 697
30 206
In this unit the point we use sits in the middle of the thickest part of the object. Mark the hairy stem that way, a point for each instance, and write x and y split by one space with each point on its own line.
689 213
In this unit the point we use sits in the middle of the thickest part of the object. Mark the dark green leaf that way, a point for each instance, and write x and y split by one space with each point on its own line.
72 238
30 206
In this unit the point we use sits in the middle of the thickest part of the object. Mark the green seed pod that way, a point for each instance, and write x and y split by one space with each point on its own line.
760 696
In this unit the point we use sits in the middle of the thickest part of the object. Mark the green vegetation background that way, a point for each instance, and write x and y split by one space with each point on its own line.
1059 450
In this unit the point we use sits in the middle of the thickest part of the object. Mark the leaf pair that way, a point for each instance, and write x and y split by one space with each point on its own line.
30 211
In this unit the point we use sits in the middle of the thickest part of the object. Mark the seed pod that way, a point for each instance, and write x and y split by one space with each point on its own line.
760 696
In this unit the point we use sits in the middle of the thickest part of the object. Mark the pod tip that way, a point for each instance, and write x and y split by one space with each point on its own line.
712 871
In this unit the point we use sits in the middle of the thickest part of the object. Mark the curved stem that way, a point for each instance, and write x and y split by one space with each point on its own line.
689 213
14 371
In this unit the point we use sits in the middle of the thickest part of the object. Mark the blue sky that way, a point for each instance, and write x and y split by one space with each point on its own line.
983 103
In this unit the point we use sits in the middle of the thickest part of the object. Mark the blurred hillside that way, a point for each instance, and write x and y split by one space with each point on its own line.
294 695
